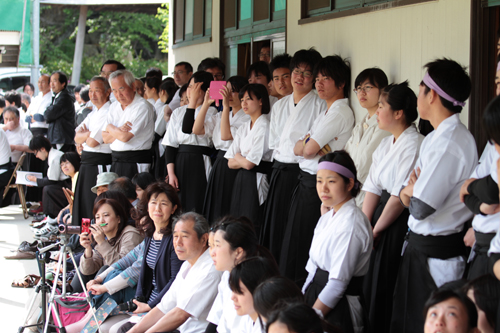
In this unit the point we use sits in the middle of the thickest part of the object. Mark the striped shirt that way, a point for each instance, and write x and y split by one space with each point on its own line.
151 261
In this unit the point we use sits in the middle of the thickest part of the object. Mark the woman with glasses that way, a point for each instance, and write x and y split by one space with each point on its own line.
329 132
291 118
366 135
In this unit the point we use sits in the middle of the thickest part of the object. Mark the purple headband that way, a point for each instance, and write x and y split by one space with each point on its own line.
431 84
498 66
341 170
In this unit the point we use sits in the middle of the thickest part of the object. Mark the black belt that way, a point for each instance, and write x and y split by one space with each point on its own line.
6 166
354 287
483 241
132 156
263 167
307 179
94 158
286 166
221 153
203 150
440 247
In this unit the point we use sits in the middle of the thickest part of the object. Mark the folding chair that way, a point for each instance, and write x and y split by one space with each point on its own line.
20 188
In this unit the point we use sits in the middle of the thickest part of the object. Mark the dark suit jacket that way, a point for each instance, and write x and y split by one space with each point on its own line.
60 116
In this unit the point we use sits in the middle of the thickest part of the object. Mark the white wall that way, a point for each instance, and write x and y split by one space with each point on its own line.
398 40
194 53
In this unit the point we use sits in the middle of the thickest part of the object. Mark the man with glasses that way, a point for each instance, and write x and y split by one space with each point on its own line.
182 73
214 66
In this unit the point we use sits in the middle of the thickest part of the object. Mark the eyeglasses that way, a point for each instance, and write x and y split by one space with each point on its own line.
306 74
365 89
179 72
218 76
103 73
264 55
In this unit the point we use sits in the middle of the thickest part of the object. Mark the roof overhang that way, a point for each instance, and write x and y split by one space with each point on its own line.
9 48
137 6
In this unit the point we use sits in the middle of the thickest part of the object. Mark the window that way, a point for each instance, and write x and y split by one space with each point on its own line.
254 14
193 21
314 8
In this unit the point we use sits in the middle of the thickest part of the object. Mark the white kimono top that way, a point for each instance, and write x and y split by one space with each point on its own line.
93 122
54 171
393 162
252 143
333 127
18 136
212 125
247 325
289 123
223 313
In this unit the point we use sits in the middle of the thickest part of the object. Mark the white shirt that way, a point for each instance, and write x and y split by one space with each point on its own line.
54 171
333 127
4 150
193 290
247 325
141 114
341 245
160 123
486 223
212 125
365 138
447 158
272 101
393 162
252 144
289 123
38 105
93 122
223 313
18 136
151 100
176 101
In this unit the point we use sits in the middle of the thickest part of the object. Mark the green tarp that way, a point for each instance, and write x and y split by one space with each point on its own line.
11 18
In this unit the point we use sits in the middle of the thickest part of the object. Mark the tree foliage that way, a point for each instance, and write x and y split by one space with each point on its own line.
131 38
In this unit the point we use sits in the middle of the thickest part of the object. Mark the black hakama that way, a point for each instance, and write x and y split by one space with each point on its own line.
191 175
340 315
379 282
415 284
158 170
480 264
36 165
91 165
219 189
304 213
125 162
284 178
54 199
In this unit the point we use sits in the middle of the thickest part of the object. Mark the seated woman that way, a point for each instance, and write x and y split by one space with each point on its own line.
448 310
340 251
113 236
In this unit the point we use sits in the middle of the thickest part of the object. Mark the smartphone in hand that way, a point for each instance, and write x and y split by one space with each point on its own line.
215 87
86 226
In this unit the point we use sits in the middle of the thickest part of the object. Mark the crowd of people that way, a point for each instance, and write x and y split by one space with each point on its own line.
260 205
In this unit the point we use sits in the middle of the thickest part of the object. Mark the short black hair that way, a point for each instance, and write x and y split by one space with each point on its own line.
308 57
125 186
260 67
186 65
280 61
84 94
444 293
38 142
344 159
63 78
79 87
239 232
258 91
252 272
183 89
452 78
13 97
12 109
143 179
118 64
237 82
72 158
491 120
375 77
202 76
274 293
30 85
401 97
154 72
298 317
208 63
486 290
2 102
170 88
153 82
337 69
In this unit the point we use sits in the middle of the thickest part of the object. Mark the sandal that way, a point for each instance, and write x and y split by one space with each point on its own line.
29 281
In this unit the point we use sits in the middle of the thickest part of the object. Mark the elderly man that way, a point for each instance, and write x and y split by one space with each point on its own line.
129 127
186 304
109 67
60 115
96 155
19 137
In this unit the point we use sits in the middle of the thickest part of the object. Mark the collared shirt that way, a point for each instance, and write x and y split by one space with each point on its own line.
332 128
393 162
4 150
160 123
289 122
193 290
247 325
365 138
38 106
93 122
252 144
212 125
447 158
223 313
18 136
54 171
141 115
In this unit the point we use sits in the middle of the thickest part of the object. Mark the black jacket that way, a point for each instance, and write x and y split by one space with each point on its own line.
60 116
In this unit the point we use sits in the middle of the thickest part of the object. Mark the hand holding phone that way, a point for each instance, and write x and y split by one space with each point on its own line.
86 226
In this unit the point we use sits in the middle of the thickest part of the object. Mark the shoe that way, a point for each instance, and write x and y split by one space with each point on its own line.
29 281
38 218
27 247
48 228
22 255
47 240
34 211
